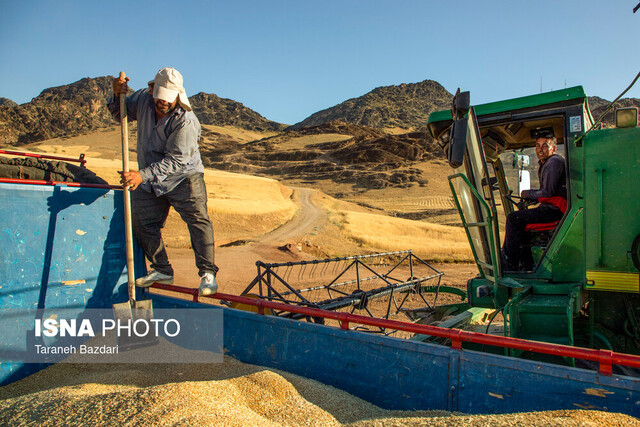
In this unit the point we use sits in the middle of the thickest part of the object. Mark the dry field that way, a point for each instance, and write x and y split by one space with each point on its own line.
432 203
431 241
244 207
305 141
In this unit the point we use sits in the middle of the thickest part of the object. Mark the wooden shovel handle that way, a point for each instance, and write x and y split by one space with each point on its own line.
127 196
124 130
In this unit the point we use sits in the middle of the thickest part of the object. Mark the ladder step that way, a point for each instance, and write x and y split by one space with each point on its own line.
552 304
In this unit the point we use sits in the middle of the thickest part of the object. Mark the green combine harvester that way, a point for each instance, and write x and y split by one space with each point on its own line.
584 287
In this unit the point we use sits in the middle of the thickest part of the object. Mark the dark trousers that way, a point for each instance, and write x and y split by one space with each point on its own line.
149 214
516 253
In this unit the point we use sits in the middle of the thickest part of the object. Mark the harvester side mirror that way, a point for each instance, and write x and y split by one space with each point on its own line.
458 137
457 143
521 162
460 104
524 181
627 117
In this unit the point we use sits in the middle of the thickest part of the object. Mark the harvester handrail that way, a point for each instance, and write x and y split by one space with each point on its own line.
493 267
605 358
67 184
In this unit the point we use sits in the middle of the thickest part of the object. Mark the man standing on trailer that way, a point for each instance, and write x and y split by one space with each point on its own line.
170 173
552 176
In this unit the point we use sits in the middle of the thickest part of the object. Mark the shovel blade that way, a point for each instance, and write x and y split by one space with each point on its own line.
126 314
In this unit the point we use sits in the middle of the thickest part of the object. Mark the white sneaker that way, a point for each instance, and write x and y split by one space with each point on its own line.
208 285
154 277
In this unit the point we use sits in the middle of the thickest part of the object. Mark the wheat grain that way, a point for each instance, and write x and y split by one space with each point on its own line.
230 393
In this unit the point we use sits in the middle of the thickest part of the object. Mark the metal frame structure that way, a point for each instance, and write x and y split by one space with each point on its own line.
58 183
353 286
81 159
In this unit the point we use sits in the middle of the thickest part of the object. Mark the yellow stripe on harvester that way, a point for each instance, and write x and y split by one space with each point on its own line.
613 281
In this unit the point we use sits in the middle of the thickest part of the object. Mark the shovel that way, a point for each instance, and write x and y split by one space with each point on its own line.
132 310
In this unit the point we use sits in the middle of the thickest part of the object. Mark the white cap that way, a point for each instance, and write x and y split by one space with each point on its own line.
167 85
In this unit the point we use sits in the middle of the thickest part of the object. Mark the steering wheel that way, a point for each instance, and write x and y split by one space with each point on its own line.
519 202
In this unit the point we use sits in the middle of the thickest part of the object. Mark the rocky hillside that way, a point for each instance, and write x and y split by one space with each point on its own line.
408 106
213 110
66 110
365 157
5 102
404 106
81 107
598 106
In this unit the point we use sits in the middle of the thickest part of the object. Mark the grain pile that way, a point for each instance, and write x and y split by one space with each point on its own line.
230 393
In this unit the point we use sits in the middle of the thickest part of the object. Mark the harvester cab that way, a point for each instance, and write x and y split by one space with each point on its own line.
584 284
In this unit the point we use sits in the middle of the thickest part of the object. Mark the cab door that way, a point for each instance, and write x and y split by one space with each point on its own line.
470 185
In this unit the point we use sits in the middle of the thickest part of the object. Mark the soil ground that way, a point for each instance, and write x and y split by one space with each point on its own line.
237 262
238 266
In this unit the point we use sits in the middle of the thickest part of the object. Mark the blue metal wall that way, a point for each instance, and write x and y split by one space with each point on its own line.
405 375
60 247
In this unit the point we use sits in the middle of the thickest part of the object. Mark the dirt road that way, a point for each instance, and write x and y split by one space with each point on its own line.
237 262
308 218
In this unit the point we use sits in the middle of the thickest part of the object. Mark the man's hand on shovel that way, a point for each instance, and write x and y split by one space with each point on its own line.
130 179
120 85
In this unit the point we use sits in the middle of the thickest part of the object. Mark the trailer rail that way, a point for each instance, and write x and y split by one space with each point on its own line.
605 358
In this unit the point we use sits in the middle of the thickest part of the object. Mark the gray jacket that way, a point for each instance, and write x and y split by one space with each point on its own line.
167 149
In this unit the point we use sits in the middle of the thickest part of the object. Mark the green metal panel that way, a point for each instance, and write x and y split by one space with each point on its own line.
544 313
531 101
564 259
611 222
612 205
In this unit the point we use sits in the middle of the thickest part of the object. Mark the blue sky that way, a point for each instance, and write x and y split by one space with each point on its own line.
287 59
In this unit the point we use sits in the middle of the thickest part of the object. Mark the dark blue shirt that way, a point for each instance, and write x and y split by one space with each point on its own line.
552 175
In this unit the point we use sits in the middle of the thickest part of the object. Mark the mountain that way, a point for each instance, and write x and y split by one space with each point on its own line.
404 106
213 110
81 107
598 106
66 110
